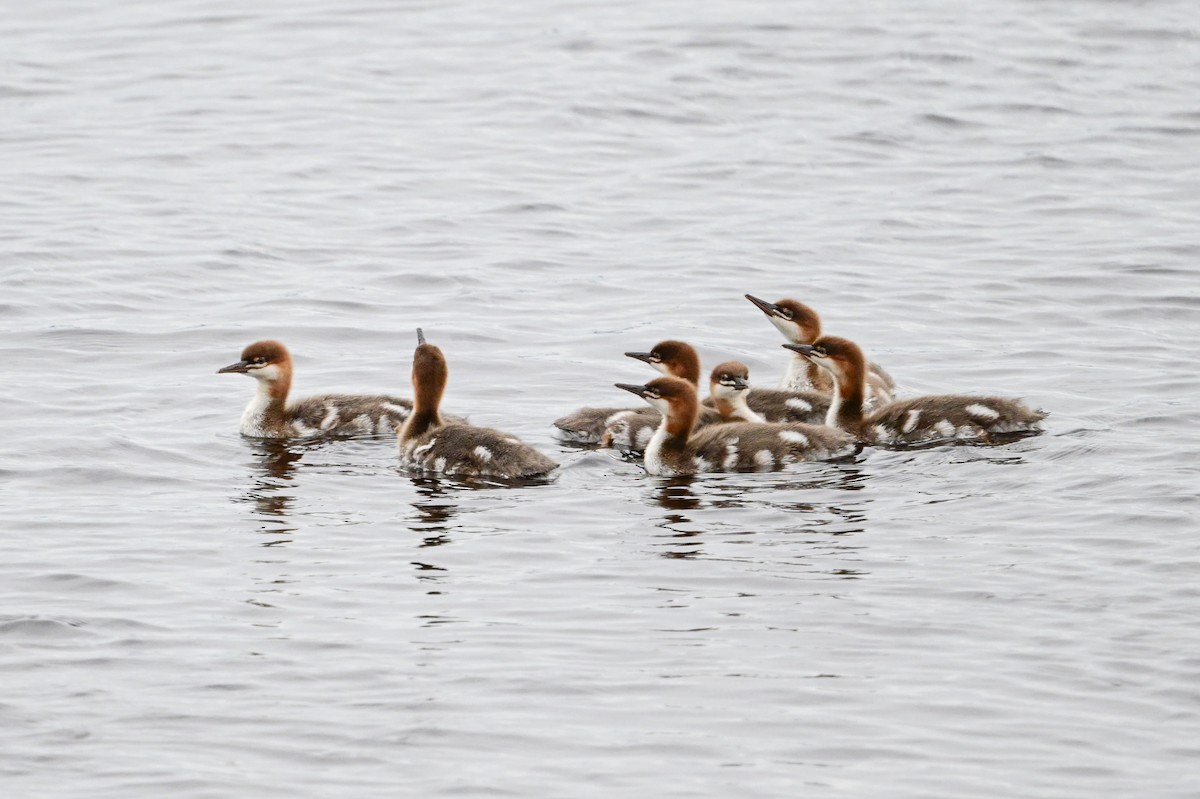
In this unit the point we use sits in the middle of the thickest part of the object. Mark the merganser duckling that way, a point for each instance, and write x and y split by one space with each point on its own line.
740 446
269 416
800 324
429 444
729 389
595 425
631 431
931 418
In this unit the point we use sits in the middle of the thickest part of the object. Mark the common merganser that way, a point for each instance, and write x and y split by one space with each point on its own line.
734 399
739 446
269 416
727 387
630 431
601 425
922 419
457 449
800 324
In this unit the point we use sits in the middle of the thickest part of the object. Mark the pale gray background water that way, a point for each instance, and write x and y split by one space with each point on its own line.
990 196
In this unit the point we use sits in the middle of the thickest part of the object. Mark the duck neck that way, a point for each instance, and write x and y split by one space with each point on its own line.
818 378
429 382
737 407
689 368
846 407
668 447
425 415
802 374
420 422
268 409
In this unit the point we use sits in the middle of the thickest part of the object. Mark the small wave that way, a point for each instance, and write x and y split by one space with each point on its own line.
946 121
34 628
874 137
935 58
528 208
1026 108
1161 130
1049 161
18 92
642 114
1141 34
83 582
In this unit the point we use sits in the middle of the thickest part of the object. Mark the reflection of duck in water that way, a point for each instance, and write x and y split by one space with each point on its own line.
909 421
270 416
676 494
429 444
433 510
277 458
272 470
739 446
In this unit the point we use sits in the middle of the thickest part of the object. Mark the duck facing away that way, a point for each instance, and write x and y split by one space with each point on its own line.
732 397
270 416
800 324
677 449
910 421
427 443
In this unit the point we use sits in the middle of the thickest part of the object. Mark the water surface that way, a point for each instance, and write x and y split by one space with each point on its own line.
995 199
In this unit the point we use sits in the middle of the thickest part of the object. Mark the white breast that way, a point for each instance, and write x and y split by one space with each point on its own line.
653 458
252 417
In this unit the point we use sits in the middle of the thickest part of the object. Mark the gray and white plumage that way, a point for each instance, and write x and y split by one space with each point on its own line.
781 405
759 447
270 415
588 425
460 450
944 417
347 414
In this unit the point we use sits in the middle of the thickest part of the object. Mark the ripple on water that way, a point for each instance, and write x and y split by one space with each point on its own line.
33 629
1001 201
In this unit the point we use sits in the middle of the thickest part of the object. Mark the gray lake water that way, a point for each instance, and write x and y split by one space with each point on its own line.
998 196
